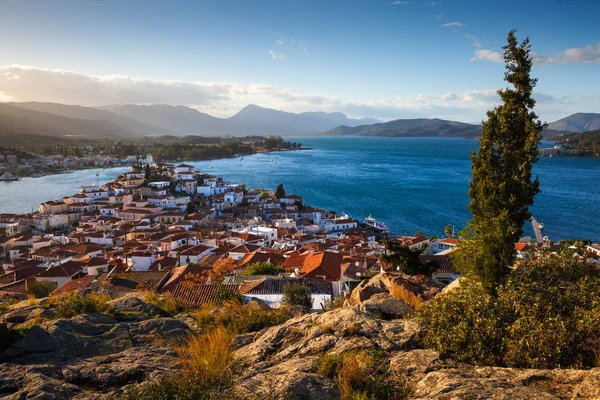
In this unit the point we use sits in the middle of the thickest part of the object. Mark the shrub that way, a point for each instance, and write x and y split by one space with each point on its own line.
546 315
358 374
407 296
330 305
76 302
238 317
165 302
297 295
41 289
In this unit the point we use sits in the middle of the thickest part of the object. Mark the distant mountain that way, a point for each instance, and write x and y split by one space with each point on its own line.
21 121
251 119
421 127
579 122
179 120
80 112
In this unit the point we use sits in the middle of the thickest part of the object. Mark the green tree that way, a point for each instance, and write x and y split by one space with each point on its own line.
280 191
41 289
404 259
502 189
261 268
147 172
448 230
295 294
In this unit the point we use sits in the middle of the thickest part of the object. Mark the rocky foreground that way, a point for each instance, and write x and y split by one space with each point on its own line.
94 356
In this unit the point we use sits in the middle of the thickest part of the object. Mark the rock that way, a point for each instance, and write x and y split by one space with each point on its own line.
291 379
335 331
590 387
38 386
498 383
42 314
385 306
18 316
242 340
415 364
132 304
168 329
453 285
190 322
82 336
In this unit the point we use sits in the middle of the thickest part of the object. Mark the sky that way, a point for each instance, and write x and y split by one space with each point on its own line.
381 59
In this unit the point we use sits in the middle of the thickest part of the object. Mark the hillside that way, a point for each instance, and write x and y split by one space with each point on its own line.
421 127
578 122
20 121
80 112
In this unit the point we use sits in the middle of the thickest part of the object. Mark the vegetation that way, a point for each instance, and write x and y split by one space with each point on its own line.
405 259
297 295
237 317
167 304
358 374
546 315
261 268
77 302
585 142
41 289
280 191
502 189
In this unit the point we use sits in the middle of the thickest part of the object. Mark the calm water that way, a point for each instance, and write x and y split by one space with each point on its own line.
409 183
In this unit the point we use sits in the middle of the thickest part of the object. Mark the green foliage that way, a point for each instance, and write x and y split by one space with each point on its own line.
336 303
405 259
502 189
297 295
358 374
41 289
76 302
280 191
147 172
261 268
585 142
546 315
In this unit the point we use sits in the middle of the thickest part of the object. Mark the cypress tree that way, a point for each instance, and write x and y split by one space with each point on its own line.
502 189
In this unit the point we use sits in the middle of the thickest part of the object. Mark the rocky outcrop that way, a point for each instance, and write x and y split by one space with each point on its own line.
392 296
90 355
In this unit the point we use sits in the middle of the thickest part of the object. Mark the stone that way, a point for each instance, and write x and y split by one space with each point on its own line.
385 306
132 304
167 329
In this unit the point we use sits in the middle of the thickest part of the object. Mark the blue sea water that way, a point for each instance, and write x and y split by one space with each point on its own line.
410 184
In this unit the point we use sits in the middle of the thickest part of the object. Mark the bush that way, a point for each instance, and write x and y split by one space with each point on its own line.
165 302
330 305
261 268
547 315
239 318
297 295
41 289
76 302
358 374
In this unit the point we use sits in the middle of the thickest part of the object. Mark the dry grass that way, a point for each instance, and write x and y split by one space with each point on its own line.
326 328
407 296
209 357
353 328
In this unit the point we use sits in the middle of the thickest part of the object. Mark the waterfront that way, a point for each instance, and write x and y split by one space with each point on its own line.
409 183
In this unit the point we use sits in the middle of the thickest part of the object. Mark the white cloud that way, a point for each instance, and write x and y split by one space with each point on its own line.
493 56
439 16
588 55
279 41
474 39
275 55
452 25
224 99
399 3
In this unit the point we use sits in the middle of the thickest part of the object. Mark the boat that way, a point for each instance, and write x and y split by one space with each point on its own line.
372 222
241 158
97 174
7 176
274 161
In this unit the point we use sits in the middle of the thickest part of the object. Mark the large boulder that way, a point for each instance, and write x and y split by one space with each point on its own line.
131 304
335 331
385 306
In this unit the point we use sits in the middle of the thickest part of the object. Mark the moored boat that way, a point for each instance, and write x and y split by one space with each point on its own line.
7 176
372 222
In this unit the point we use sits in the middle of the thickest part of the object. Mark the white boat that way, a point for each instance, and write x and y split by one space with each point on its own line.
241 158
7 176
372 222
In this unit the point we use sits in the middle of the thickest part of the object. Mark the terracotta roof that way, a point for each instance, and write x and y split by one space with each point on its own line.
75 284
293 262
179 274
67 269
275 286
322 265
193 296
444 262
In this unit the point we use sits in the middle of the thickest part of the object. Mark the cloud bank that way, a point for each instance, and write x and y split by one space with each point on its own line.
24 83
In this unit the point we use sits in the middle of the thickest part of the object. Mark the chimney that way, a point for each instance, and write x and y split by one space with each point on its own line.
80 284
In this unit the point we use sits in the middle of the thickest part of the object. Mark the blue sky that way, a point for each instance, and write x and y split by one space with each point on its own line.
384 59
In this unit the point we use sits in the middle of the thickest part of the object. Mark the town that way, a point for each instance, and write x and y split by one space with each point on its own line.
161 224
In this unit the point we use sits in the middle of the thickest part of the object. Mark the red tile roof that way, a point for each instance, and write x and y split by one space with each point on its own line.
197 295
75 284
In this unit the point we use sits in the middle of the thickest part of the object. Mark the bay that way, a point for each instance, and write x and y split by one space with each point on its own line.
410 184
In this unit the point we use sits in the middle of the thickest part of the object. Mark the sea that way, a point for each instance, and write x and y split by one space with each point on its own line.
410 184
